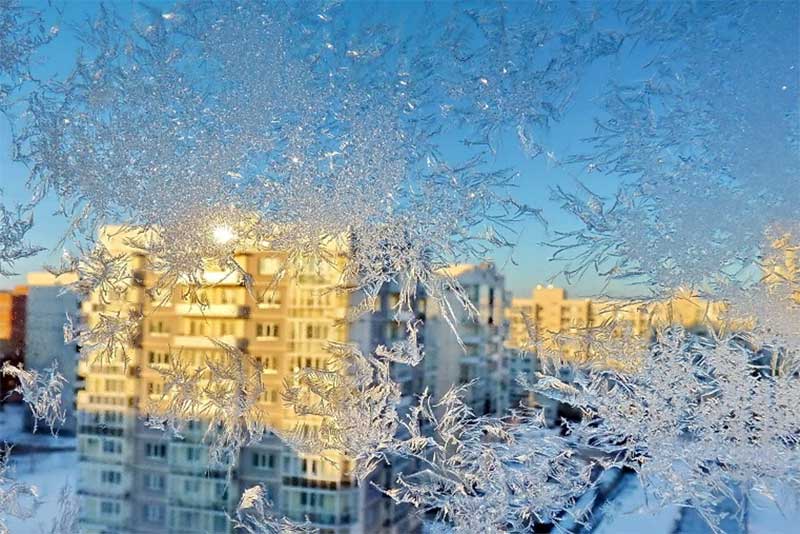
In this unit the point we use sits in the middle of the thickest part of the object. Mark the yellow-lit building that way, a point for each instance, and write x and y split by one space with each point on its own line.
605 332
138 480
12 337
480 358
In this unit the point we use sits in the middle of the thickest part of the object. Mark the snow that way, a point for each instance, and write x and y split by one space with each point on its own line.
629 513
12 430
49 472
43 460
773 516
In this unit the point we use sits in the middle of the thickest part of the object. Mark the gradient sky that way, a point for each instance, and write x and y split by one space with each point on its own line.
530 266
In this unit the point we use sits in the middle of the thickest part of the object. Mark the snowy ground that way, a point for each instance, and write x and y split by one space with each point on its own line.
628 513
12 431
40 459
34 461
49 472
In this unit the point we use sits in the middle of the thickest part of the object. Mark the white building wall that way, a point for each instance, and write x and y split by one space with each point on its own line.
48 307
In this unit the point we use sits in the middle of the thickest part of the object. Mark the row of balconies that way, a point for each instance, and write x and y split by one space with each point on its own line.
213 310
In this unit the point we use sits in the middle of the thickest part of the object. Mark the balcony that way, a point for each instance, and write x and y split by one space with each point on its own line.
222 278
203 342
213 310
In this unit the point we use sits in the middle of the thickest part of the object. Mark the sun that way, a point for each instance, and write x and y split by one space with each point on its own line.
223 234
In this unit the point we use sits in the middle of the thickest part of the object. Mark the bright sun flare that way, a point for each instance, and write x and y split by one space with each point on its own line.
223 234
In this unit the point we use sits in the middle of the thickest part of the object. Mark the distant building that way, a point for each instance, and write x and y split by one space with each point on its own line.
483 358
137 480
49 307
565 326
12 337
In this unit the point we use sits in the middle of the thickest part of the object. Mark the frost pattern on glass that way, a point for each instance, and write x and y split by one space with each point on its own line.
223 393
254 516
41 392
17 499
310 131
482 474
356 399
14 224
704 144
66 518
699 419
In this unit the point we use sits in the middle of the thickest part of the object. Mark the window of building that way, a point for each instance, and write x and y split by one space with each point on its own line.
270 299
158 358
316 331
111 446
158 327
191 485
189 519
268 266
154 481
156 451
269 330
227 295
155 388
109 508
110 477
192 454
220 523
473 292
197 327
269 396
267 362
154 513
221 491
263 460
114 385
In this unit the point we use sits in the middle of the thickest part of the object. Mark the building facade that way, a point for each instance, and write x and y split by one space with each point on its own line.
605 331
12 338
49 306
134 479
483 359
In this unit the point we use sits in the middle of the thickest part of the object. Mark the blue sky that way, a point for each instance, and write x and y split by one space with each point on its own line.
531 263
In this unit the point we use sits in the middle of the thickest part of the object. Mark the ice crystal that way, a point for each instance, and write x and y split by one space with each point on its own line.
482 474
700 418
14 224
99 273
224 394
312 123
41 392
17 499
696 154
356 399
111 337
254 516
22 32
66 519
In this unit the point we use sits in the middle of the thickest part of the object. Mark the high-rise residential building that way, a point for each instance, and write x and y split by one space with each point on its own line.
49 306
559 323
134 479
483 358
12 337
522 363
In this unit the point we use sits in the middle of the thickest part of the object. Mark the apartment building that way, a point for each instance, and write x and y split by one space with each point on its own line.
49 305
483 357
12 337
134 479
562 324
